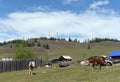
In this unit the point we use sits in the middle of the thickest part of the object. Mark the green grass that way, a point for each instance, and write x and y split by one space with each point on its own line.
73 73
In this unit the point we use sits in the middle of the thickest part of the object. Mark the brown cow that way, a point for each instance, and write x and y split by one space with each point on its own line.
96 60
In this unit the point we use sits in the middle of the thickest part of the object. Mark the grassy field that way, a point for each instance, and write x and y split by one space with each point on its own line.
74 73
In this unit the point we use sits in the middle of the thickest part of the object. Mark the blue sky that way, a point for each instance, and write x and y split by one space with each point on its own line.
78 19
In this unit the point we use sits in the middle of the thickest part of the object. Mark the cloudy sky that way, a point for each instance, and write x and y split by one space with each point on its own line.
80 19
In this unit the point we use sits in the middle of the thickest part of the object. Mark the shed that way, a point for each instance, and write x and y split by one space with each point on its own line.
65 58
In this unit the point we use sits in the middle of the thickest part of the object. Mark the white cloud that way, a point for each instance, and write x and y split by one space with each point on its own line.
40 8
85 25
99 3
69 1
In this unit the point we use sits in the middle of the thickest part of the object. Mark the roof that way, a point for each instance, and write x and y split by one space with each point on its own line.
67 57
115 53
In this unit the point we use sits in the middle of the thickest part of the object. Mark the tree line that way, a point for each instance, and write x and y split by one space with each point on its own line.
103 39
35 41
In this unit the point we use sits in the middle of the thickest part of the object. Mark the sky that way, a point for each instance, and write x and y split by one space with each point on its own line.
77 19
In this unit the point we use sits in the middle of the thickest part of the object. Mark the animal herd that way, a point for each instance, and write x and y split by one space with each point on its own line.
93 61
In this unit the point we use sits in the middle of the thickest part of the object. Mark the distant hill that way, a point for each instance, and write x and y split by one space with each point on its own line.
48 49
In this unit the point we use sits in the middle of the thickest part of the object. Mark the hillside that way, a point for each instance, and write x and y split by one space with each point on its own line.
57 48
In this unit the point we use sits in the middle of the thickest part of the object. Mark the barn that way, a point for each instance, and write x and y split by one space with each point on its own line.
115 55
65 58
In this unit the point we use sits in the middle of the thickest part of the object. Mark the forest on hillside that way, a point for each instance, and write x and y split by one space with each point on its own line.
34 41
37 47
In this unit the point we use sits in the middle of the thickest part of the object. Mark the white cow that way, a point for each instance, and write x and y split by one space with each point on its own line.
31 66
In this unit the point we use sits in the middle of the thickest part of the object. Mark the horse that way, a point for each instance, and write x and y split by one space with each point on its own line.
96 60
31 66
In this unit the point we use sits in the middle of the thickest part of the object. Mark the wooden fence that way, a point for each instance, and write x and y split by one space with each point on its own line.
14 65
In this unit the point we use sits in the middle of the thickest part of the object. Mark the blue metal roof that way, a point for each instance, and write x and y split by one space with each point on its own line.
115 53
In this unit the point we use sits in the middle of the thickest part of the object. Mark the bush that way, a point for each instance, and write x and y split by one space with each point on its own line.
46 46
22 52
38 44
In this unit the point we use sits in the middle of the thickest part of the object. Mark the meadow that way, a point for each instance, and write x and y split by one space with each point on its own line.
73 73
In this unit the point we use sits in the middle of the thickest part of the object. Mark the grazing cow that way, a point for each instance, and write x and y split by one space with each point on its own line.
96 60
31 66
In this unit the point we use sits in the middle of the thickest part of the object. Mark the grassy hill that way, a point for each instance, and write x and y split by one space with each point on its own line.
73 73
57 48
